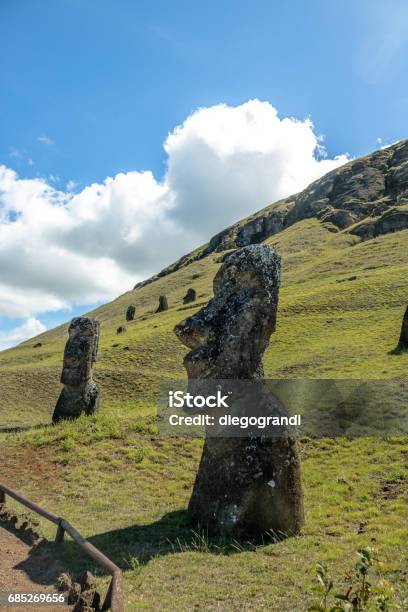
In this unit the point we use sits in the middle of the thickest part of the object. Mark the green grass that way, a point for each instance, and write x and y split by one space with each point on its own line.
127 488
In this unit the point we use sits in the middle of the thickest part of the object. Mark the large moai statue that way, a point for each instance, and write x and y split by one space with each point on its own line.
403 341
80 393
245 486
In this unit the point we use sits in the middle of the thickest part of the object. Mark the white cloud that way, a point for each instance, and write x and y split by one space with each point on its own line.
31 327
46 140
62 248
71 185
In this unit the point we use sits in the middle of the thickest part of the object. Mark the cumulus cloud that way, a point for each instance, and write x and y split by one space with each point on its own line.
31 327
62 248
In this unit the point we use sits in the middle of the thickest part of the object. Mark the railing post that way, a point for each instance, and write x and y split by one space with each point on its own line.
59 537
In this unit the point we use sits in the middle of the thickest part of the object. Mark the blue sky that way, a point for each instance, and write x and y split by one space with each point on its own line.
92 88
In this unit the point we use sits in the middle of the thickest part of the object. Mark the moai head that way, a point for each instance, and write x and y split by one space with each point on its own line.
80 351
190 296
229 336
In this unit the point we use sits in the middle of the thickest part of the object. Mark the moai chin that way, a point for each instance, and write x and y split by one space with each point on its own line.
80 393
245 486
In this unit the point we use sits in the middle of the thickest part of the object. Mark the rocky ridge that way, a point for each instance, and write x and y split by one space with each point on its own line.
366 197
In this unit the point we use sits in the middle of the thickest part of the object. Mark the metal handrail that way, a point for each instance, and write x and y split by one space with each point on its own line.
114 597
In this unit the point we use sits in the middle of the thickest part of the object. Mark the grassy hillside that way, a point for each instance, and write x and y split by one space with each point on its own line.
125 487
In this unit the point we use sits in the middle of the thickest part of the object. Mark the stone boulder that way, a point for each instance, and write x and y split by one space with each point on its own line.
163 304
130 312
121 329
80 393
245 486
190 296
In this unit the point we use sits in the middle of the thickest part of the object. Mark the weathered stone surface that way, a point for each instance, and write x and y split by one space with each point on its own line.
130 312
74 593
87 581
392 221
80 394
244 486
163 304
340 218
190 296
403 341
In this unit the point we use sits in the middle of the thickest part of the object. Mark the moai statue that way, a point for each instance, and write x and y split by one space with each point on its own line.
163 304
403 341
130 312
80 394
190 296
245 486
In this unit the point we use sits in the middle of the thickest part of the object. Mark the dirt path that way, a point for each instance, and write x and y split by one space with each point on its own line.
25 567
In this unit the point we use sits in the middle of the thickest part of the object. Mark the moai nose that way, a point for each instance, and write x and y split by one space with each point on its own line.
192 332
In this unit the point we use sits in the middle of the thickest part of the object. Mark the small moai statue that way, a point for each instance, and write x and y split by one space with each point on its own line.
80 393
130 312
163 304
190 296
249 485
403 341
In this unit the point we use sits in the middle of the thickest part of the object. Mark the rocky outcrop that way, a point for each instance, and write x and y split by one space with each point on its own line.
80 394
163 304
393 220
340 218
248 485
403 341
354 194
190 296
130 312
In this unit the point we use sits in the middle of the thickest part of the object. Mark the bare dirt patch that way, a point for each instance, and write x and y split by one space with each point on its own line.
25 564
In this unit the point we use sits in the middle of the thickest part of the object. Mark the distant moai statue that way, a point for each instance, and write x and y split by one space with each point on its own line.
130 312
190 296
403 341
163 304
245 486
80 393
121 329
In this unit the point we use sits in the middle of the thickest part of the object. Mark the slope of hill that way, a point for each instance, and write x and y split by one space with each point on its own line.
341 305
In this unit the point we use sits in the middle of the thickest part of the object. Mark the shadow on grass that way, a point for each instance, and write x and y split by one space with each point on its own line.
129 548
18 428
136 545
398 350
